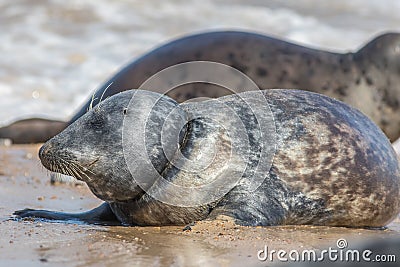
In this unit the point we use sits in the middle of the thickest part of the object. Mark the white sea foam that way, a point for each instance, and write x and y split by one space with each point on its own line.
55 53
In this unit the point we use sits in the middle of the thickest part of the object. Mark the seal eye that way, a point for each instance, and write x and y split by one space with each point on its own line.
125 111
97 121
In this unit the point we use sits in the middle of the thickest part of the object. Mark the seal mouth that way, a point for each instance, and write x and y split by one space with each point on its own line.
65 163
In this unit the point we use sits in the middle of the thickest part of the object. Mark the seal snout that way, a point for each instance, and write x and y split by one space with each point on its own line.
43 151
45 155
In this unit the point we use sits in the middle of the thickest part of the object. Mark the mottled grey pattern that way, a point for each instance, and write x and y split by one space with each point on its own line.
333 153
332 166
368 79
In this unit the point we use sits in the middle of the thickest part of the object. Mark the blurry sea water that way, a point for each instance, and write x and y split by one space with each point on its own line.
55 53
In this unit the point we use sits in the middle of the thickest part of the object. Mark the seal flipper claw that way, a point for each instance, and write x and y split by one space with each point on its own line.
100 215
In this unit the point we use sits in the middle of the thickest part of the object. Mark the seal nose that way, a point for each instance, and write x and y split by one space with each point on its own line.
44 149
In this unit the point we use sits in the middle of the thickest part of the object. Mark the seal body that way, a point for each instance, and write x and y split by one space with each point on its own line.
32 130
367 79
330 164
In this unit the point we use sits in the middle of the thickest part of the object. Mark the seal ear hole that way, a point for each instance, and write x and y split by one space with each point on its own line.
125 111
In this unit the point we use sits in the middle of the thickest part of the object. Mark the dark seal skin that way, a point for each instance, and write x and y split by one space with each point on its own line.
31 130
368 79
331 165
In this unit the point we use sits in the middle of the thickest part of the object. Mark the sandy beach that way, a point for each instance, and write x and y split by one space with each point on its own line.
26 184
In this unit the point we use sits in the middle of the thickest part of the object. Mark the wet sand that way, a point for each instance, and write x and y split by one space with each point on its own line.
24 183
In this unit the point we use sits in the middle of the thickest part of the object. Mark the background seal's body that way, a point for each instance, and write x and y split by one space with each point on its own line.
368 79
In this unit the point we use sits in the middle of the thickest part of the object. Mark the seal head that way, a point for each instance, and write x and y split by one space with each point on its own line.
91 148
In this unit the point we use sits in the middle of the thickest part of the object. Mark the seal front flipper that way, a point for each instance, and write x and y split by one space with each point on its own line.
263 206
101 215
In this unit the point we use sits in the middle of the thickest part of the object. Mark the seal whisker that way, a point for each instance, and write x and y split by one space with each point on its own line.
80 170
61 166
70 167
55 167
85 169
83 173
68 170
98 106
90 164
79 176
93 98
87 176
102 95
60 169
91 102
75 171
64 169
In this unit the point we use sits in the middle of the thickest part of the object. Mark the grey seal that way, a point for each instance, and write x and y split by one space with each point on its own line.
32 130
330 164
367 79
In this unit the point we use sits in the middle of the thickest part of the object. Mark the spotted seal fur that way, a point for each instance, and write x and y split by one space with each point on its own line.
330 164
368 79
